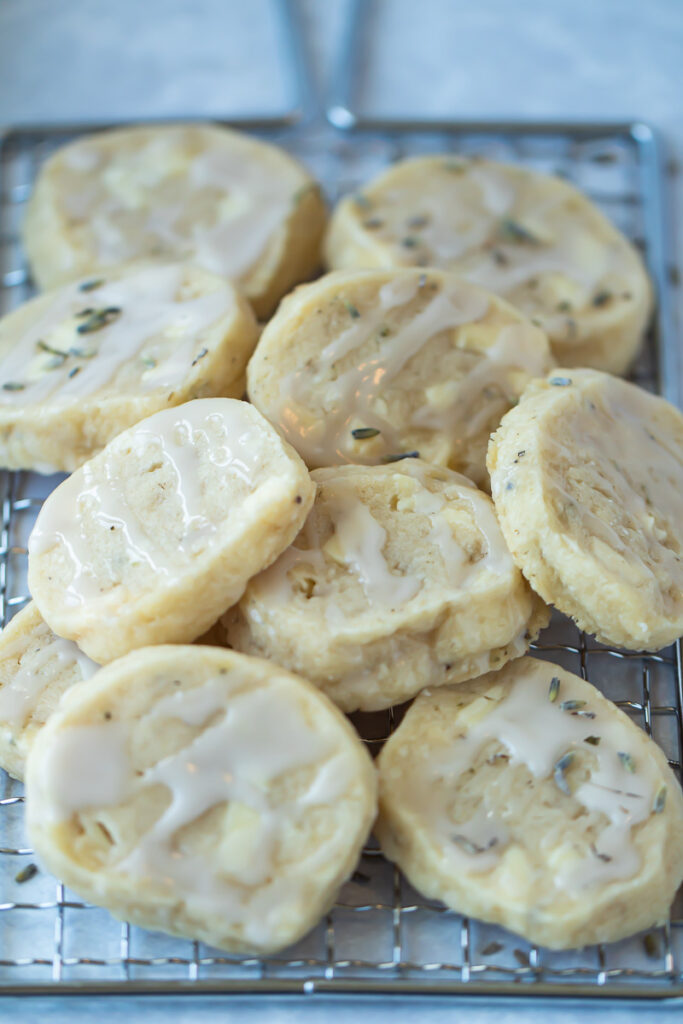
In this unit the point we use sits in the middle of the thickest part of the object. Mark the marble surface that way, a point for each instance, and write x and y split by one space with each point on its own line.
97 60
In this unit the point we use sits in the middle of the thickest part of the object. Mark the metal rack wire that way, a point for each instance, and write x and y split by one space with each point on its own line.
381 936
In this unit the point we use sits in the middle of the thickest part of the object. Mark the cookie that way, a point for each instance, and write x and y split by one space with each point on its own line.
364 366
534 239
150 541
233 205
587 480
400 579
230 799
36 668
529 800
80 364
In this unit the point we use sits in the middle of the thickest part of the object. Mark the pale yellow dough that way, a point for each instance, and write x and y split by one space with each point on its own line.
400 579
83 362
534 239
424 361
36 668
493 799
195 791
236 206
587 480
150 541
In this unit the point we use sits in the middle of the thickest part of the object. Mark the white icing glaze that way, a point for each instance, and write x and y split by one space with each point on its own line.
150 309
249 740
82 511
353 395
362 542
462 217
86 766
19 696
146 197
359 541
257 202
537 732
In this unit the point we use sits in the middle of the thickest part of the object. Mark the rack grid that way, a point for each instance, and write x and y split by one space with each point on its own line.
381 936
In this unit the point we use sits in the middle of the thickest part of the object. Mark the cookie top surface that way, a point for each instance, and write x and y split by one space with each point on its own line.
230 800
380 543
139 330
196 192
400 578
533 789
529 237
587 476
364 366
174 513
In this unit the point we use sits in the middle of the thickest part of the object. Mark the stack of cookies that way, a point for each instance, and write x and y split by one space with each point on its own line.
386 515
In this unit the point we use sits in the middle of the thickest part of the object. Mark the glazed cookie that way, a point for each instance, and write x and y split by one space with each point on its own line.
533 239
587 478
364 366
529 800
150 541
82 363
400 579
36 668
236 206
230 799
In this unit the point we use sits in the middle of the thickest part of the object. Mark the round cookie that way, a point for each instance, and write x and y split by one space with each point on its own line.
364 366
534 239
36 668
400 579
230 799
528 800
151 540
80 364
234 205
587 480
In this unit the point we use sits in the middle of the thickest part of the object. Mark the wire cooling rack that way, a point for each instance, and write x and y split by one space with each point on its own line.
381 936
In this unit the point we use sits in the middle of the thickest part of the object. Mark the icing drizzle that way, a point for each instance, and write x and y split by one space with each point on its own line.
52 360
82 512
250 739
354 395
542 734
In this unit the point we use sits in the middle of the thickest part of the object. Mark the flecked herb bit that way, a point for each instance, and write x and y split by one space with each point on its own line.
492 949
651 945
627 761
99 319
572 705
560 382
204 352
352 310
72 373
361 433
410 242
26 874
593 740
44 347
554 689
659 801
602 298
13 385
469 846
401 455
560 772
512 231
90 286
